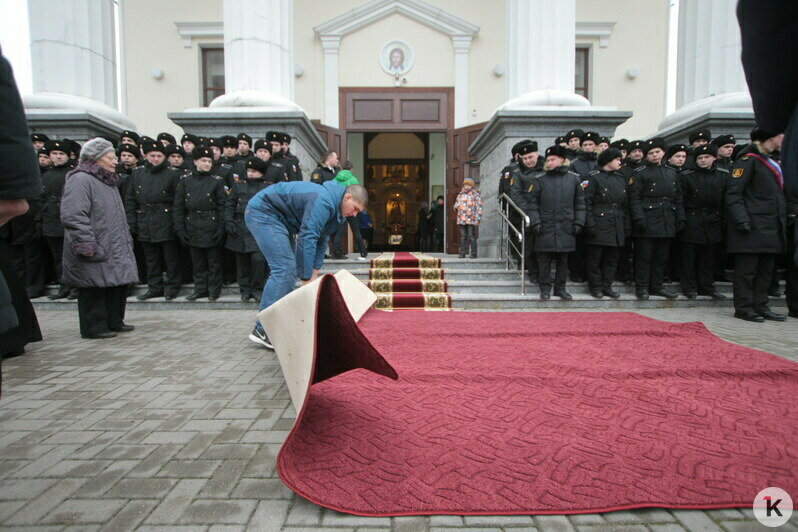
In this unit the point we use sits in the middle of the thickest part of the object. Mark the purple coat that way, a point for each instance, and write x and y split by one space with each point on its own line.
94 222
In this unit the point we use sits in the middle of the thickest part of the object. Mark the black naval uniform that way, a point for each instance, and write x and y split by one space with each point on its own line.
322 174
149 201
521 184
582 165
757 228
198 205
24 235
626 259
558 215
293 169
124 173
655 202
53 184
250 263
607 228
702 193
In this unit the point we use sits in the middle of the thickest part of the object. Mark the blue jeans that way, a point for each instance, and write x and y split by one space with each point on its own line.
277 247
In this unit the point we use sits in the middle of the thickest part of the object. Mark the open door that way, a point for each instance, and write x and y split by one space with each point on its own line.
334 138
458 167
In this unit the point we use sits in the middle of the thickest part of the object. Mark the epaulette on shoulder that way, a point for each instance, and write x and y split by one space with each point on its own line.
719 169
225 165
218 178
639 169
689 171
745 157
594 172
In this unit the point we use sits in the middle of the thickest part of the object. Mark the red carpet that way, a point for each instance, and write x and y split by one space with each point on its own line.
519 413
408 281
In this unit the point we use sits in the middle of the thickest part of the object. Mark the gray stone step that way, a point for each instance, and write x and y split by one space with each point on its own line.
448 261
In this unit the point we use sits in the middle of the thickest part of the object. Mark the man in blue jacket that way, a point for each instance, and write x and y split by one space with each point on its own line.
307 211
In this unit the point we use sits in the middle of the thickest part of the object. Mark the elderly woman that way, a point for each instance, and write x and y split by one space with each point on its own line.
98 248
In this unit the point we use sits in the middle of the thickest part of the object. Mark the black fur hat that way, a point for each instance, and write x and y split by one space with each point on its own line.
656 142
39 137
167 137
257 164
528 147
700 134
201 151
153 145
673 149
557 150
244 136
262 144
174 148
706 149
130 148
57 145
608 155
722 140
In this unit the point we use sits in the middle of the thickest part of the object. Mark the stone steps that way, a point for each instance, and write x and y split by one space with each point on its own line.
474 284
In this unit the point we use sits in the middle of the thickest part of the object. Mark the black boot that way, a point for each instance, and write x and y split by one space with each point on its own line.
149 294
194 296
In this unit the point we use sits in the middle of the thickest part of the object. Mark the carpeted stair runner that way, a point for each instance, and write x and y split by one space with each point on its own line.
408 281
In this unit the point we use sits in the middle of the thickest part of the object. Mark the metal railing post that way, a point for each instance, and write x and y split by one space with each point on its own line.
520 234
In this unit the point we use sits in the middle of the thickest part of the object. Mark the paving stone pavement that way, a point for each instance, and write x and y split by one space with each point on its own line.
177 425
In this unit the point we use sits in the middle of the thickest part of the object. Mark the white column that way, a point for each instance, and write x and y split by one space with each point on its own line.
331 46
541 53
73 57
462 46
709 73
73 48
258 54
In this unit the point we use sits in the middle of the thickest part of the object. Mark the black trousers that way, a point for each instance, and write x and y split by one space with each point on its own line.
251 268
545 259
101 309
697 267
56 245
626 270
531 258
368 236
158 254
651 255
338 238
207 264
602 263
577 259
437 242
28 261
752 273
791 292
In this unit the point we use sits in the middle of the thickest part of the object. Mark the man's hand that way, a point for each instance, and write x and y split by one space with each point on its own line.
312 277
12 208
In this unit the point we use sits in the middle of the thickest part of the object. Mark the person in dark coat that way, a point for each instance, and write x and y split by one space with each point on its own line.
585 161
632 161
757 226
274 170
557 215
166 138
423 227
327 168
250 263
725 145
438 224
583 165
573 140
129 137
20 184
198 204
38 140
244 147
607 224
45 163
703 188
176 157
505 177
293 168
98 248
655 203
676 156
521 186
25 237
769 33
53 232
149 201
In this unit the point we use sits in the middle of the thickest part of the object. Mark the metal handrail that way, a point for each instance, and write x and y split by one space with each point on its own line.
520 234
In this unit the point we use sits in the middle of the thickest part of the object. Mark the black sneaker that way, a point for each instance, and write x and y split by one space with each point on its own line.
259 337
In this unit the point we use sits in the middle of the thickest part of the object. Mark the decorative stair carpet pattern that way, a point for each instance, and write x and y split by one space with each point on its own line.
408 281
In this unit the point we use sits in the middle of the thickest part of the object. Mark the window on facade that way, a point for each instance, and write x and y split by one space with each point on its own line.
212 74
582 84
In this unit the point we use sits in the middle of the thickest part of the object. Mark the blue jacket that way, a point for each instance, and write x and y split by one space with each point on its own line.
310 211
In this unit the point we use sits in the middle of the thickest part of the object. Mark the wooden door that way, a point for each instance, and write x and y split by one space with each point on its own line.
334 138
459 166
